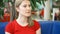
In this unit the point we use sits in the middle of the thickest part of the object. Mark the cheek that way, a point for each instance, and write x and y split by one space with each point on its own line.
22 11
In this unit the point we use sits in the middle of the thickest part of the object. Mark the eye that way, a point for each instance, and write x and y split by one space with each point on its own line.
25 6
29 5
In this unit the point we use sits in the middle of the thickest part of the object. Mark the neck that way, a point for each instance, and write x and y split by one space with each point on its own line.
22 19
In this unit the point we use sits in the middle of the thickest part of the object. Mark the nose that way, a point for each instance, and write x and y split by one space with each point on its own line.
28 8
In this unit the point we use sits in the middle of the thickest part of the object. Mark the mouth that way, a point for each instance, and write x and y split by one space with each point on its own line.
28 12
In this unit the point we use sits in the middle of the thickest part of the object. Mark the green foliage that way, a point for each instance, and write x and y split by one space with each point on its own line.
1 12
34 5
1 3
1 7
5 0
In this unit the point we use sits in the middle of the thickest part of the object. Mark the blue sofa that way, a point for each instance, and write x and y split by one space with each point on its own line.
50 27
47 27
2 27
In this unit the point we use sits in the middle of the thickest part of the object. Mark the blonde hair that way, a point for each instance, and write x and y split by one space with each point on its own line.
18 2
30 20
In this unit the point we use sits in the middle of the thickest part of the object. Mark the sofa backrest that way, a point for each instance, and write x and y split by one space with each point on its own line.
2 27
50 27
56 27
46 27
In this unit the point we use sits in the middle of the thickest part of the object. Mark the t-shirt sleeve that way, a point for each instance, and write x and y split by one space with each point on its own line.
36 25
9 28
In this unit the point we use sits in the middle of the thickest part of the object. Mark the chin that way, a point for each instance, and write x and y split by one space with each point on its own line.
28 15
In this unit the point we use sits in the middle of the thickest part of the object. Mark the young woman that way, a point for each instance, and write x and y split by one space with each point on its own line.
24 23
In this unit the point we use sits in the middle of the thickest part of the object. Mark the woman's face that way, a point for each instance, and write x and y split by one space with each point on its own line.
25 8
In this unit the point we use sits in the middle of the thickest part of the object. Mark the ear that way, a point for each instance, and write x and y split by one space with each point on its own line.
17 9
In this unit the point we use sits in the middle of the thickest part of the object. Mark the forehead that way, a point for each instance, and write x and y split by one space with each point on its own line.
26 2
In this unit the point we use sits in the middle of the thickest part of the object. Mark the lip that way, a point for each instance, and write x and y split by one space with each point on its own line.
27 12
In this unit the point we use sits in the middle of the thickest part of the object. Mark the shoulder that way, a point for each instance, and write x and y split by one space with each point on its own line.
36 22
36 25
12 22
10 27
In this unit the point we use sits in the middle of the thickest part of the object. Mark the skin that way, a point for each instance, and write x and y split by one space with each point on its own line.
24 10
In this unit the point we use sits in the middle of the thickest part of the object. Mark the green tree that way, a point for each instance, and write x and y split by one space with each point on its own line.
1 9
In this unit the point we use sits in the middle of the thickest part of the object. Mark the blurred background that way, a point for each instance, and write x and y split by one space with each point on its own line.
42 10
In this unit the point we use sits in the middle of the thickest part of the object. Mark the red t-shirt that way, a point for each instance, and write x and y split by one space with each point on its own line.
15 28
